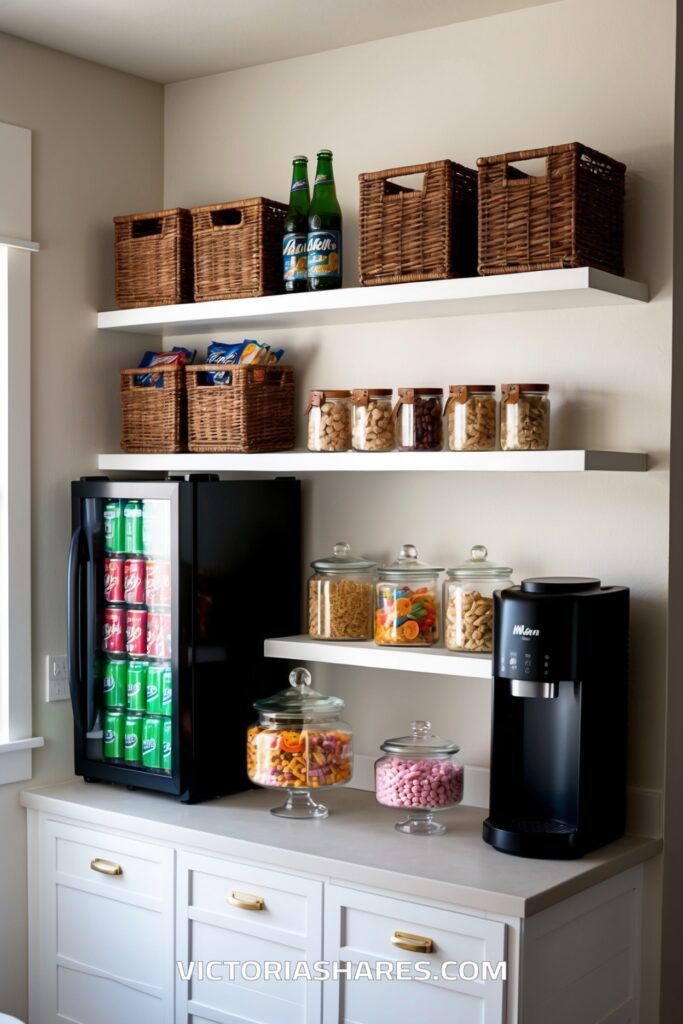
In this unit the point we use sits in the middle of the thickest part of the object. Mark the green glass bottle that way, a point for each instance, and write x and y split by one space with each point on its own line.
295 236
324 252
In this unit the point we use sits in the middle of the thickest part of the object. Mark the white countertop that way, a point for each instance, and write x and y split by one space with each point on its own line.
357 844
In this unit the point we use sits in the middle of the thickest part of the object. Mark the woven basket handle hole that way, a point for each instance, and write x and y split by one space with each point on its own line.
411 183
226 218
522 170
146 228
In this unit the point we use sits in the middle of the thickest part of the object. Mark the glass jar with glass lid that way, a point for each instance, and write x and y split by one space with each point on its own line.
299 745
468 602
524 417
340 596
419 774
329 421
407 602
471 417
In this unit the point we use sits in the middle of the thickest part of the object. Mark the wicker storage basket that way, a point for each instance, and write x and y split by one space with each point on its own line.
153 258
153 419
238 249
409 234
253 413
572 216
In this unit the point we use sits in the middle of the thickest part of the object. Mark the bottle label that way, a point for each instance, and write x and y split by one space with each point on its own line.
322 179
324 254
294 257
299 186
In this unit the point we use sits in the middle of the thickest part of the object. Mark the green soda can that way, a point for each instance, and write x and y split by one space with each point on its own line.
136 685
167 690
114 683
154 677
112 741
132 739
151 742
132 518
166 745
114 533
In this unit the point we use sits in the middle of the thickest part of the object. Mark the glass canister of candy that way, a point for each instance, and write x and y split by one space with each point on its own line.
418 418
407 605
299 745
468 602
420 775
329 421
373 428
524 417
340 596
471 416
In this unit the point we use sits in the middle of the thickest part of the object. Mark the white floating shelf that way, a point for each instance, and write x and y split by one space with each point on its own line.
570 461
435 660
502 293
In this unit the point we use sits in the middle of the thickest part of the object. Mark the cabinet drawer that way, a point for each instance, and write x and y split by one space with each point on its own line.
359 927
78 852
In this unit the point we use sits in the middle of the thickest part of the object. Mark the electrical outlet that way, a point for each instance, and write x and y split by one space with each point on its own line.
57 678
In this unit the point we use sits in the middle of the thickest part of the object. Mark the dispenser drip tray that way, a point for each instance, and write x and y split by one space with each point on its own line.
530 837
551 825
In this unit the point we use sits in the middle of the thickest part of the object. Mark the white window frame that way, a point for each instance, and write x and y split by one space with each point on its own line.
16 741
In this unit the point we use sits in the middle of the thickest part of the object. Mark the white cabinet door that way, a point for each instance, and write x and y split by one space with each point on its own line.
106 940
250 917
358 930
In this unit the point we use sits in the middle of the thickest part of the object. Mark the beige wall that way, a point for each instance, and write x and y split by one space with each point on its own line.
97 151
602 73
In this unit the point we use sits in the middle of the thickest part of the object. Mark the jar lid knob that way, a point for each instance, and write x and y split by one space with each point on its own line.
300 677
421 728
342 549
479 553
408 551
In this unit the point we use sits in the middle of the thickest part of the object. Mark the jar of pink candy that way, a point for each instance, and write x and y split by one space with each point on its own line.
420 775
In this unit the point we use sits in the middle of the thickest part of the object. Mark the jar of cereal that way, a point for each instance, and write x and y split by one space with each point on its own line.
407 606
329 421
372 429
340 593
471 416
524 417
468 602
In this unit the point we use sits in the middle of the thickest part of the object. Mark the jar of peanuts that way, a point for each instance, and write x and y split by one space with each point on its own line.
299 745
418 417
524 417
372 428
471 417
329 421
407 605
419 775
468 602
340 594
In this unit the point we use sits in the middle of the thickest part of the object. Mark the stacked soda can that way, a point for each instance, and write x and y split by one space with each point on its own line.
137 688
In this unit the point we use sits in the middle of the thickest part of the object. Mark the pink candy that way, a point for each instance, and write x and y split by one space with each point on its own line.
426 783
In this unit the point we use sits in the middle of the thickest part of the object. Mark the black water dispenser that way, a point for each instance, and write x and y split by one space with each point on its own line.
558 746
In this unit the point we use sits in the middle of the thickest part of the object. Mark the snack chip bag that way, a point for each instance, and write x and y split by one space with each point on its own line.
178 356
255 353
275 355
225 353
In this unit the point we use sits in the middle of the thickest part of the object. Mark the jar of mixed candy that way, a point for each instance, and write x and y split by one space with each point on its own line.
372 429
419 774
468 602
419 426
329 421
299 745
407 604
471 416
524 417
340 596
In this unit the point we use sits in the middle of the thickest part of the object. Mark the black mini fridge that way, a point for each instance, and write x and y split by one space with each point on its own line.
173 587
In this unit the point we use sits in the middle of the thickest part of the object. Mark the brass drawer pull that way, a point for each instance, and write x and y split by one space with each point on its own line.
245 901
413 943
106 867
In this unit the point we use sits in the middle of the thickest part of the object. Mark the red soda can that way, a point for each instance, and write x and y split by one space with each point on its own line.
134 581
114 630
113 580
158 584
136 627
159 635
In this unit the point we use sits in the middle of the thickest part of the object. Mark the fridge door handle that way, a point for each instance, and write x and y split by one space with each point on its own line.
73 622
